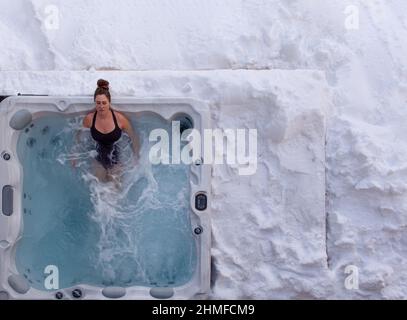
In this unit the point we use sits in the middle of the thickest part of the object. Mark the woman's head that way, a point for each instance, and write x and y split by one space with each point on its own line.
102 96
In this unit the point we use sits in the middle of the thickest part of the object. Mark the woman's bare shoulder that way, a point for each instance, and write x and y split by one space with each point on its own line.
120 115
122 118
87 121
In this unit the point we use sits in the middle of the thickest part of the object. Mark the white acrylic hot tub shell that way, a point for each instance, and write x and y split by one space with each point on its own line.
11 227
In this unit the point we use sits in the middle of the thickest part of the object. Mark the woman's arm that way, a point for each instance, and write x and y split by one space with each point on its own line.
128 128
87 124
87 121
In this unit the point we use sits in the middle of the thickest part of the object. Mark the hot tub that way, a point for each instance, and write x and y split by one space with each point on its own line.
65 235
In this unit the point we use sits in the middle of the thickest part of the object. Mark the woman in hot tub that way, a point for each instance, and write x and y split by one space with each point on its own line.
106 126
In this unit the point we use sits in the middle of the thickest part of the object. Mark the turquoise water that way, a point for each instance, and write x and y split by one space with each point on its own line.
93 233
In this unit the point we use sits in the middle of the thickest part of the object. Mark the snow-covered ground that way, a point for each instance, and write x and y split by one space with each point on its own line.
317 203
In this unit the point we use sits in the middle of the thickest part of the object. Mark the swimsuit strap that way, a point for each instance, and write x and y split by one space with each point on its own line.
94 119
114 119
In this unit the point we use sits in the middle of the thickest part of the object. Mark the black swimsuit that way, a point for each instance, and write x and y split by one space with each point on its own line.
108 153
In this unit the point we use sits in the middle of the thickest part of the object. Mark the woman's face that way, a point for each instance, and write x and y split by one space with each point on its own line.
102 103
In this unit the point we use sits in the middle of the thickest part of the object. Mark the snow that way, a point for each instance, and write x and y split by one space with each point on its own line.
328 103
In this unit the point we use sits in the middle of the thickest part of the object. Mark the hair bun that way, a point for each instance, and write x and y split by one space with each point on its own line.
103 84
